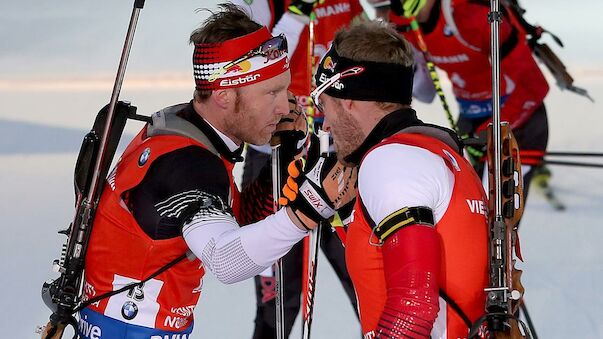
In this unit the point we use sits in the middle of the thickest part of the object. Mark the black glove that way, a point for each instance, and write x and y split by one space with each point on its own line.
291 134
316 189
292 130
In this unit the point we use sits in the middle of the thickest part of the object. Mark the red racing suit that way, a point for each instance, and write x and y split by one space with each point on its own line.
463 252
458 40
120 252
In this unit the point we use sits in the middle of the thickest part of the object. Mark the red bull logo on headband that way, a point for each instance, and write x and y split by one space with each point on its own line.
241 67
240 61
328 63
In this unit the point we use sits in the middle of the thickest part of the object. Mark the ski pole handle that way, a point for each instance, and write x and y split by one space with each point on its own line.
324 142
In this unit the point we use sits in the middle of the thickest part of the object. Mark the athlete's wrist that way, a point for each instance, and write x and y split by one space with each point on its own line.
301 220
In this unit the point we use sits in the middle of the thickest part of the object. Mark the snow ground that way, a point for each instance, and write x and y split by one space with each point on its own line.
43 119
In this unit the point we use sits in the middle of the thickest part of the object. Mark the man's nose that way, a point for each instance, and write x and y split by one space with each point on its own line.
282 106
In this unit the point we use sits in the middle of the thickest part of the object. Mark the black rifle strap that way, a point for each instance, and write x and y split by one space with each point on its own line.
132 285
456 308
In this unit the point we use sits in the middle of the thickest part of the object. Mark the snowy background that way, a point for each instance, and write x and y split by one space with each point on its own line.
57 64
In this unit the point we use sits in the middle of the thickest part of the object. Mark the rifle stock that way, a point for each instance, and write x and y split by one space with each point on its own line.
504 295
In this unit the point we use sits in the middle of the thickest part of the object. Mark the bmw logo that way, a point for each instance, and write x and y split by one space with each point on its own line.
129 310
448 32
144 157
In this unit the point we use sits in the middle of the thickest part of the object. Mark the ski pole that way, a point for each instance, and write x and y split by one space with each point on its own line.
312 267
524 310
559 154
536 158
312 260
65 292
312 242
572 163
433 74
278 271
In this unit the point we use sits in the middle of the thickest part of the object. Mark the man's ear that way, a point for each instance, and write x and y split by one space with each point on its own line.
354 108
348 104
224 98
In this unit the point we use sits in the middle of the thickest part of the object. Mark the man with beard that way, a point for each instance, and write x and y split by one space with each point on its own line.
168 212
416 249
292 18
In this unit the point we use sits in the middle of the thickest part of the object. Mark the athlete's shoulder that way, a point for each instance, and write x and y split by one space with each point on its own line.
188 168
393 176
398 149
397 158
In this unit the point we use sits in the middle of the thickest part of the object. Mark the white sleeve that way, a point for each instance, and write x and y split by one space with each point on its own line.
395 176
234 253
423 88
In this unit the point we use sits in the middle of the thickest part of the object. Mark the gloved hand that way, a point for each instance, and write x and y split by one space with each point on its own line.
317 187
290 135
292 130
303 7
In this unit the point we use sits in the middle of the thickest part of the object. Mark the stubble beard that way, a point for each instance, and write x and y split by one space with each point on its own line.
242 124
347 135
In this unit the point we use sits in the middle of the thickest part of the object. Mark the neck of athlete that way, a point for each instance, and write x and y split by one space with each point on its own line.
215 109
369 113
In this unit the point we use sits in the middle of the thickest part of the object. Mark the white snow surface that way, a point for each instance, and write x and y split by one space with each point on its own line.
44 115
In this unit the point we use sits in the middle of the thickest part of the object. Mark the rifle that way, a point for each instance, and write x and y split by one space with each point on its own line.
63 295
505 191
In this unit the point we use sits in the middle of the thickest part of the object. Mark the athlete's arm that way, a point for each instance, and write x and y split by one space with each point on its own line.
477 33
391 178
236 253
186 192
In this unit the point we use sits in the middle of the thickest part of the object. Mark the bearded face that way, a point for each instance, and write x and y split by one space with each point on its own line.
257 110
345 129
